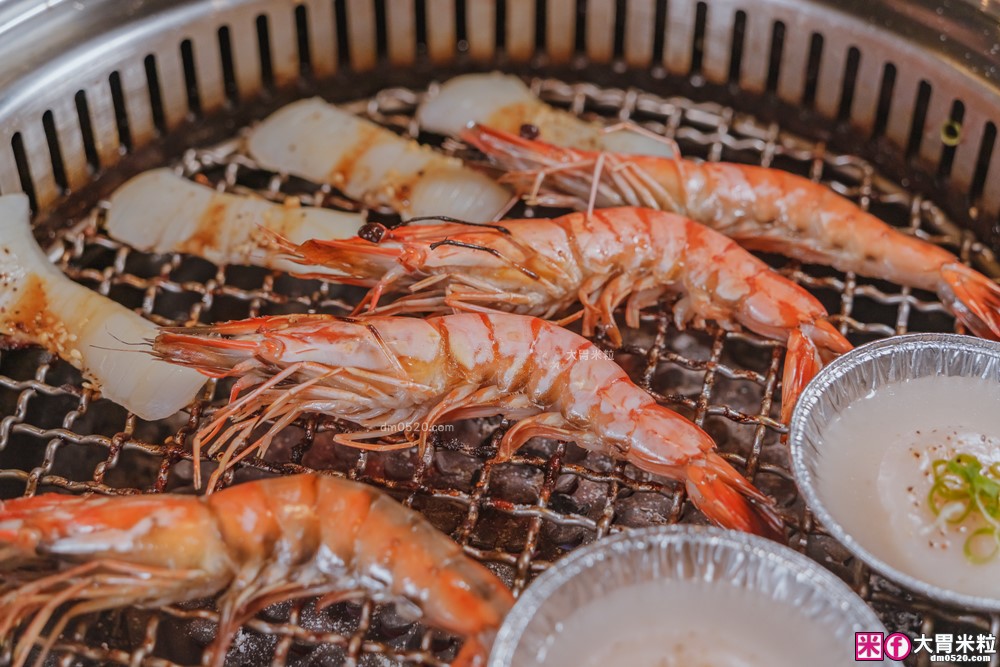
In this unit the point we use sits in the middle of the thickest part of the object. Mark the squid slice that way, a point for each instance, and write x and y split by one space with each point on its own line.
504 102
159 211
319 142
41 306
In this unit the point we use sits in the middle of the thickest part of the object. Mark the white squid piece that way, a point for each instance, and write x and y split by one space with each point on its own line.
159 211
504 102
41 306
319 142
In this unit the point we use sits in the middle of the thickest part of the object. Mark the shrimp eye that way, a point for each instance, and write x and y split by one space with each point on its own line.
372 231
529 131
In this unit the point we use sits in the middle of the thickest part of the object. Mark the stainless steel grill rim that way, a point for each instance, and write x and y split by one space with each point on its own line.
91 79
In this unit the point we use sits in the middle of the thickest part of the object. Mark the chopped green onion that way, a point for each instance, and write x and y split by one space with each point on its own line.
983 545
961 487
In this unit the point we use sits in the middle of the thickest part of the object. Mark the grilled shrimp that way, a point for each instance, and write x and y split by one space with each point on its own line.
502 101
256 544
543 267
319 142
400 370
762 209
159 211
41 306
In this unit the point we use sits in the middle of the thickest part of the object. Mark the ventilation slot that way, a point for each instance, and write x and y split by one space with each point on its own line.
155 98
621 8
812 69
580 41
228 70
983 162
951 135
121 115
190 77
462 25
500 26
884 99
420 18
381 31
343 47
541 20
774 62
736 53
850 80
23 171
55 153
302 33
919 118
659 32
698 43
264 49
87 132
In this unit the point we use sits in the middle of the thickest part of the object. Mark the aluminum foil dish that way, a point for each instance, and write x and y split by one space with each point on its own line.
679 595
889 442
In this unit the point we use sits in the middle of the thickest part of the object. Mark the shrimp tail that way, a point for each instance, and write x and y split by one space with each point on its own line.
472 654
973 298
809 347
729 500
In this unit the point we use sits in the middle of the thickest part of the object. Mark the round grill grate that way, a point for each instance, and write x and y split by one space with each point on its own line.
517 516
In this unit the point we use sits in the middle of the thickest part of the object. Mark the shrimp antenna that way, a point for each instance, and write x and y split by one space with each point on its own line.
386 350
493 251
445 218
115 349
377 335
146 343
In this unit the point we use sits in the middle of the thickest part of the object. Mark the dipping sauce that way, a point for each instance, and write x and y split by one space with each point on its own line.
877 473
669 623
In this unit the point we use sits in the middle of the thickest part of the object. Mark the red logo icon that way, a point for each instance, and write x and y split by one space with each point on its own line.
868 646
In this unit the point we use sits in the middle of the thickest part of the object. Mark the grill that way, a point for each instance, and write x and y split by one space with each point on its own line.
905 127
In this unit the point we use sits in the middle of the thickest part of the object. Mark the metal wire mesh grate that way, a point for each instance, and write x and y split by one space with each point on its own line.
517 516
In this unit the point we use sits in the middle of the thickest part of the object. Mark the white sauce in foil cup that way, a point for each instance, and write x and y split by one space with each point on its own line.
684 596
865 437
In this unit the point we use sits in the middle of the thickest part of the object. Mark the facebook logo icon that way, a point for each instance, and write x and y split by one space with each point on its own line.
874 646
